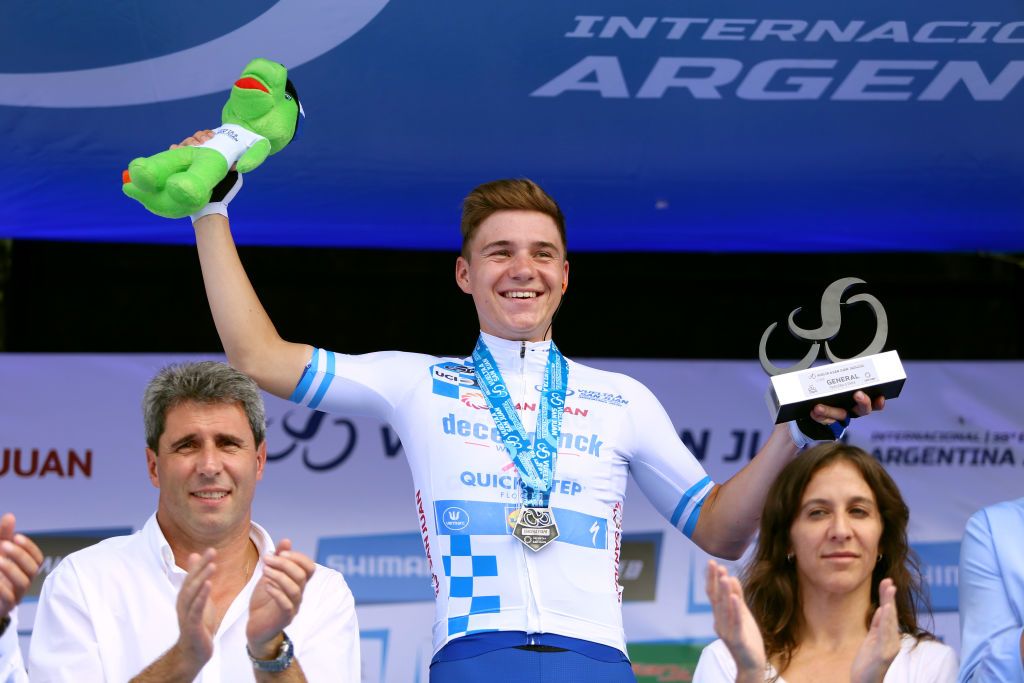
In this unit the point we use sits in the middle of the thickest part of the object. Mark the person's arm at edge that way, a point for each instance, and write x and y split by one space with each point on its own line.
12 667
20 559
992 637
732 511
250 340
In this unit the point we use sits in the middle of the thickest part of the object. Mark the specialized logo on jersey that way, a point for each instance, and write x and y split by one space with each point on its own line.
450 379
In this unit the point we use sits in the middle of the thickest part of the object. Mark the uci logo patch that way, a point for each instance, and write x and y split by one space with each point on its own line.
448 378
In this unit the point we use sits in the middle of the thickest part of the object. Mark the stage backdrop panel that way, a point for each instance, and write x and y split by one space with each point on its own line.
72 466
705 126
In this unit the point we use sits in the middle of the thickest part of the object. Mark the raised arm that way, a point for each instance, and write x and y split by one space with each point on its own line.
731 512
250 340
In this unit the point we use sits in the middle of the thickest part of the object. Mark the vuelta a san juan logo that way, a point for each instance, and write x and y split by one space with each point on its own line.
291 32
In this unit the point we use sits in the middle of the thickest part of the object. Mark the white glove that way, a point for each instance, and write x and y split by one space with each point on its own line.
806 432
221 196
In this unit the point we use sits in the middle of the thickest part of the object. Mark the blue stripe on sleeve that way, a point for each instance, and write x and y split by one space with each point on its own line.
307 378
685 500
691 522
328 378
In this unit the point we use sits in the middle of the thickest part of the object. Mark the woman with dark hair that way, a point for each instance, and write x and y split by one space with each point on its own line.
832 587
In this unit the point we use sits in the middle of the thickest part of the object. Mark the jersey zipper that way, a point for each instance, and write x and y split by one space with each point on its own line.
533 623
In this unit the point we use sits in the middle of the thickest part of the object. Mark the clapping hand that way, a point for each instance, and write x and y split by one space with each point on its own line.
195 611
20 559
276 599
734 623
882 643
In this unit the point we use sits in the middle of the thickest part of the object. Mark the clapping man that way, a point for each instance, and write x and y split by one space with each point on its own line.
201 592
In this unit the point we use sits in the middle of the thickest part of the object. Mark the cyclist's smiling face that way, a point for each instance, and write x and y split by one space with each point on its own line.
516 274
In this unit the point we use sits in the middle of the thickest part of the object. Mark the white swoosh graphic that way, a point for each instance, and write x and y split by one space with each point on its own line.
291 32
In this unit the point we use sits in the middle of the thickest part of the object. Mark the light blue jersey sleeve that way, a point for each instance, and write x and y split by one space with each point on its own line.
664 468
370 384
992 595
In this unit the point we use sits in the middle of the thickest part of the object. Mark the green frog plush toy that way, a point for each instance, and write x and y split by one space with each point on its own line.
261 117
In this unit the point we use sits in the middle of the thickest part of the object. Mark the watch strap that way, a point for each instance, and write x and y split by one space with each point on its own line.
285 654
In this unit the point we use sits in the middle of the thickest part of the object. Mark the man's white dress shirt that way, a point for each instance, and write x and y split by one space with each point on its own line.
108 611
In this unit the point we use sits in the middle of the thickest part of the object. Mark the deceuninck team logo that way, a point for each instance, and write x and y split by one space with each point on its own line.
291 32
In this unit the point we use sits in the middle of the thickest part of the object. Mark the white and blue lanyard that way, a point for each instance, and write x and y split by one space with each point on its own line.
534 460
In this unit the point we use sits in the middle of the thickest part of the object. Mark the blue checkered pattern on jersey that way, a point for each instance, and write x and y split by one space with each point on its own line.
469 574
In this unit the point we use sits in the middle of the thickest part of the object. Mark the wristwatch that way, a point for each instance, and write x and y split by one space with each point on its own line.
285 654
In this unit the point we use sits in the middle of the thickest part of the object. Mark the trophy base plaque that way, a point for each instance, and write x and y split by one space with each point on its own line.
794 394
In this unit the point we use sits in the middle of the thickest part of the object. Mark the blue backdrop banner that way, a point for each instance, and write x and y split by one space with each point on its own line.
659 126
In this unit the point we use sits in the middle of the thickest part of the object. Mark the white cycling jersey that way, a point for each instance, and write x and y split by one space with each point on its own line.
466 485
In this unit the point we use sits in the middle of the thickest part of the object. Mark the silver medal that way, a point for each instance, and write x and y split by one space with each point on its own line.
535 527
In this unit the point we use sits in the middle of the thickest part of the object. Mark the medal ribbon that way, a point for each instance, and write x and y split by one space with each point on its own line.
534 459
